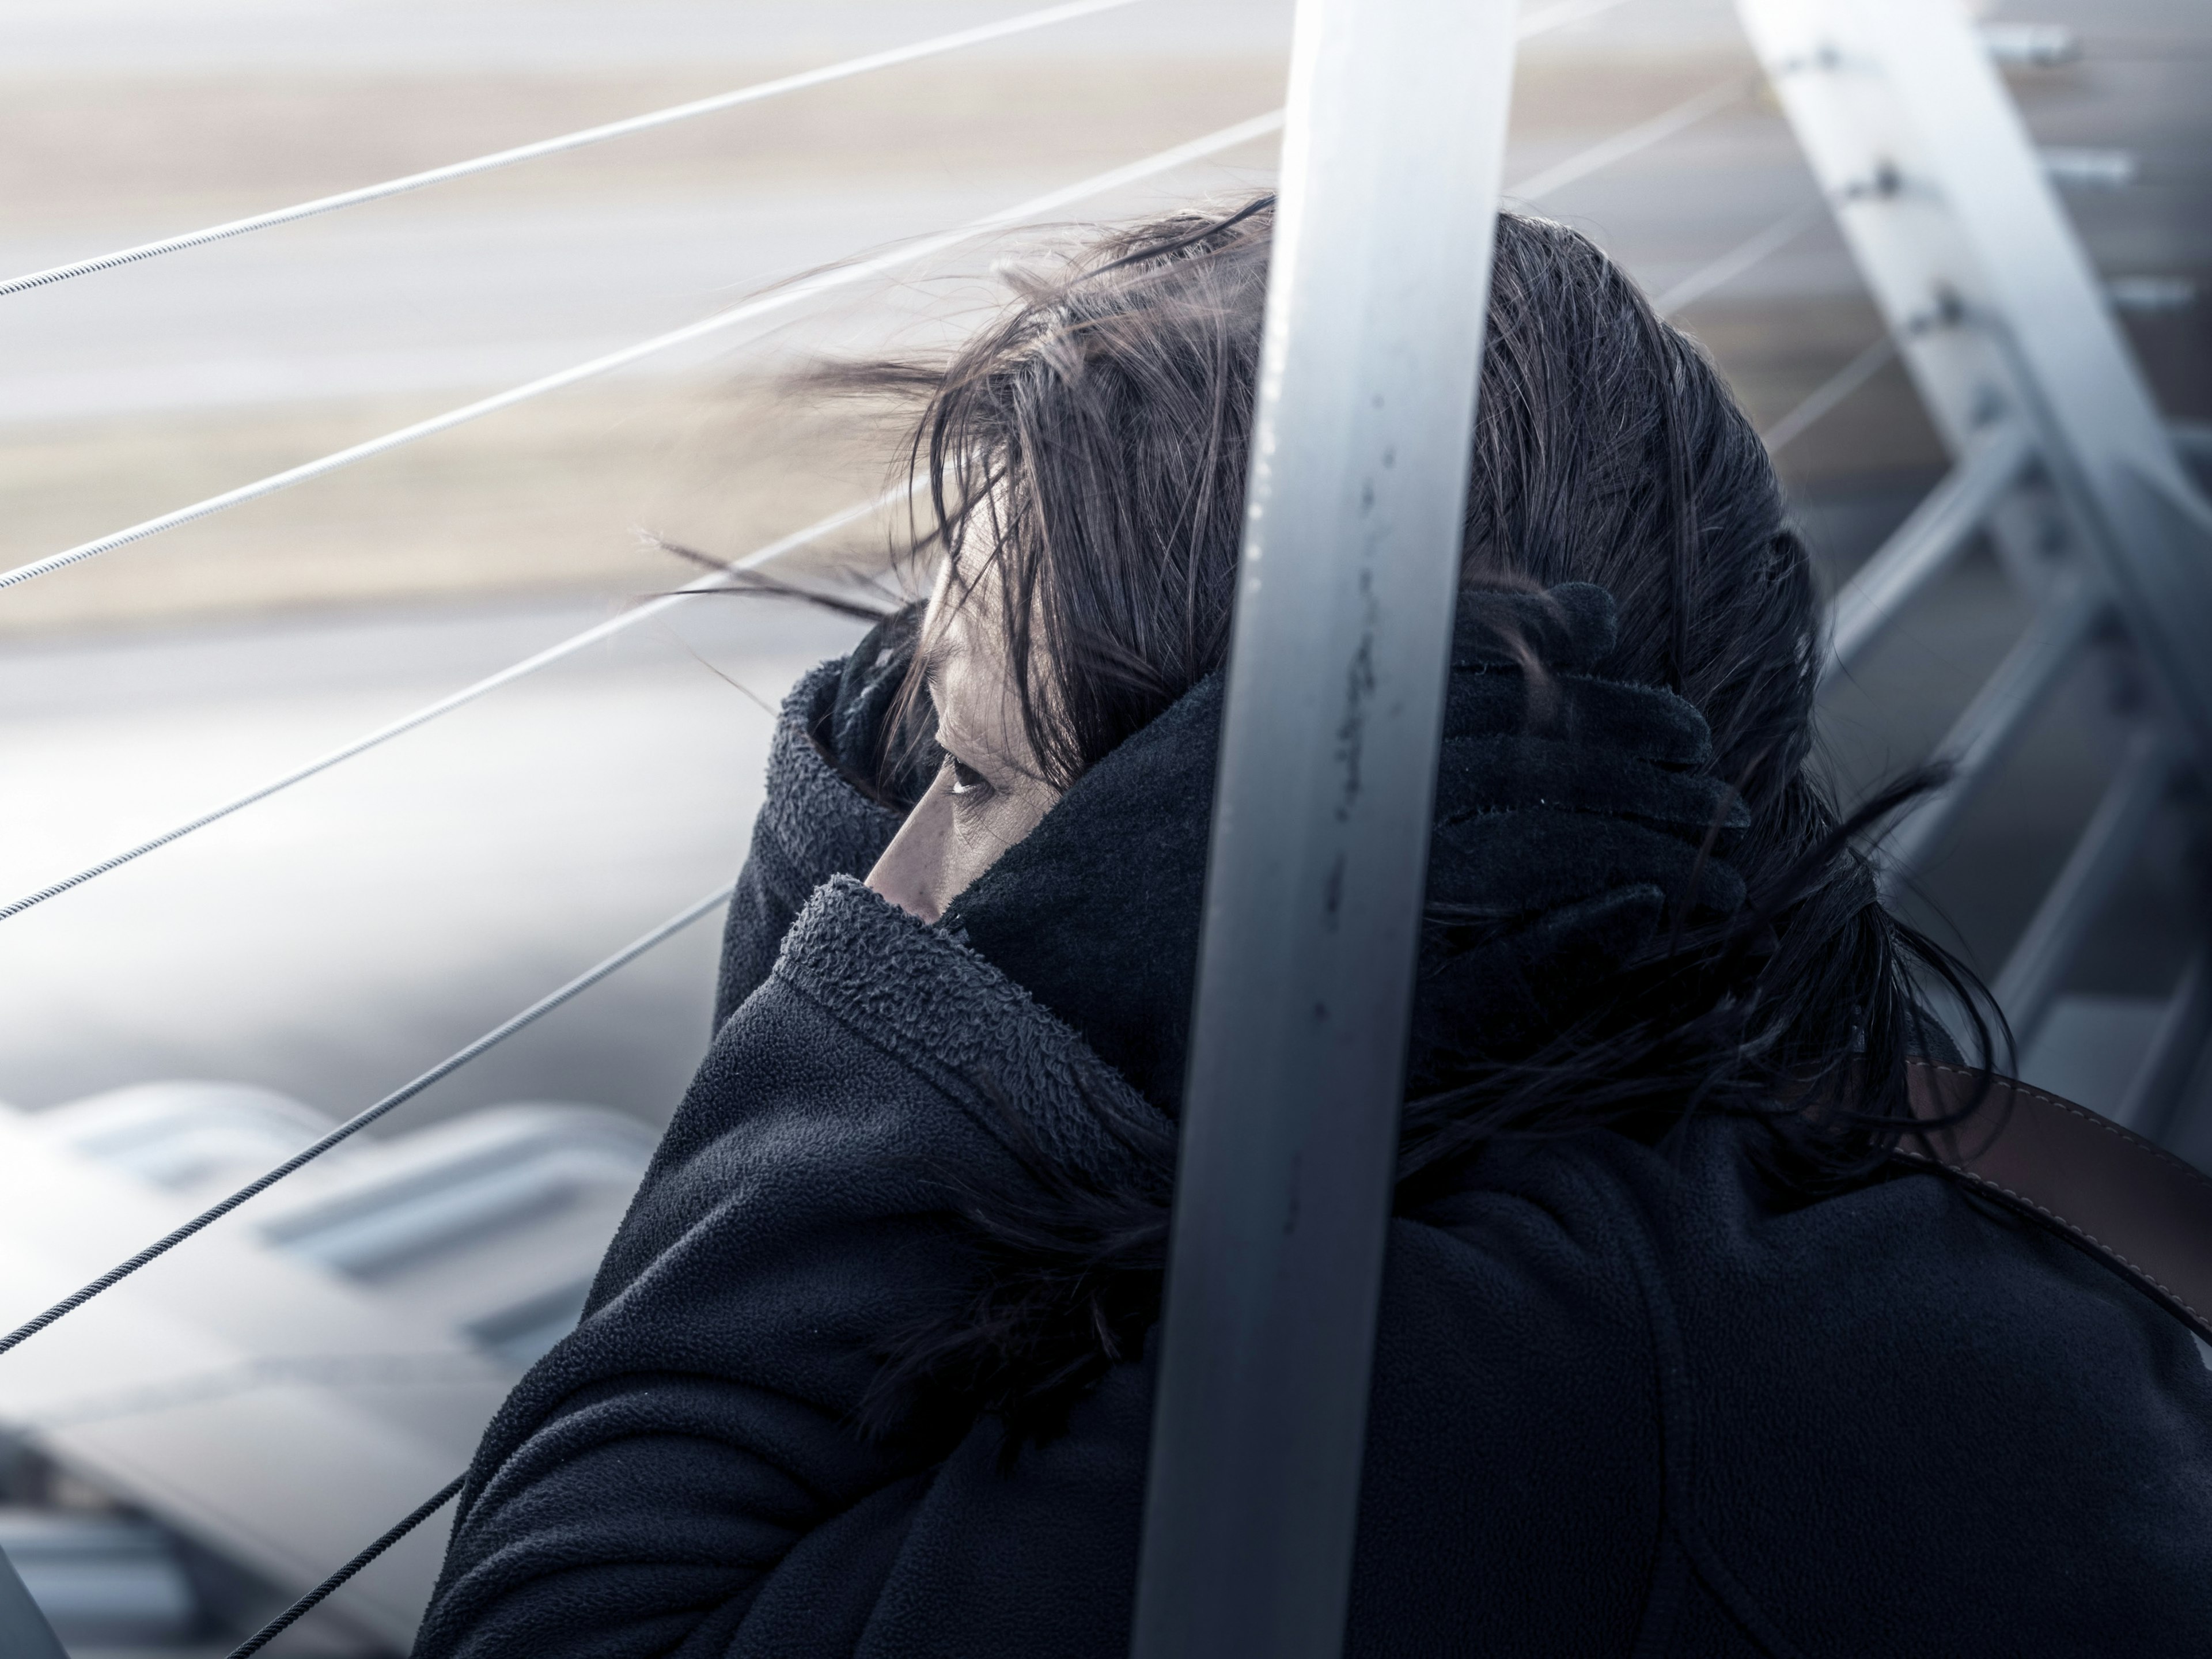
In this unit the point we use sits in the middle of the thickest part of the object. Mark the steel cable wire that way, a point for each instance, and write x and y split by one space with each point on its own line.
306 1604
1741 257
1831 392
447 704
760 305
1632 141
806 287
1606 151
499 1034
887 58
1613 149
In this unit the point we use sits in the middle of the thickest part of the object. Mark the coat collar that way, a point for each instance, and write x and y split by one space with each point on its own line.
920 994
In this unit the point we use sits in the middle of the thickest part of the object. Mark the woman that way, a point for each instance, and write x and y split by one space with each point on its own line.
1672 1359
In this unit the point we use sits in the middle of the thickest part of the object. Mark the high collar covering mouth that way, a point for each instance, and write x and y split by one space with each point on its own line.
1575 819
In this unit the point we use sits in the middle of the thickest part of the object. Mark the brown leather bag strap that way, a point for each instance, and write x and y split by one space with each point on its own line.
2135 1207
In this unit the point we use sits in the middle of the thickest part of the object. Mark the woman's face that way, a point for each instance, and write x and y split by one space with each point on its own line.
990 792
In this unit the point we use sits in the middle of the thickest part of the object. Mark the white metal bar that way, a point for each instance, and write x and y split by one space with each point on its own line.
447 704
1370 362
2034 286
353 1126
2037 967
781 298
1741 257
1632 141
1925 543
866 63
1986 731
1825 64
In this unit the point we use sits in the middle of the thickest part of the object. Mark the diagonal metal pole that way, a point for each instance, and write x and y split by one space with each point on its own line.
1373 351
24 1631
2045 300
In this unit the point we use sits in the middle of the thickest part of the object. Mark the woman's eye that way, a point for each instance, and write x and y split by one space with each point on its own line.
966 779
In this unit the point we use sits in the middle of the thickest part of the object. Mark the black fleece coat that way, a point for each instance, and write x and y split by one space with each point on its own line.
1624 1403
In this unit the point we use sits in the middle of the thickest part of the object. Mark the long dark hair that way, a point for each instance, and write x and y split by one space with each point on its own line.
1089 448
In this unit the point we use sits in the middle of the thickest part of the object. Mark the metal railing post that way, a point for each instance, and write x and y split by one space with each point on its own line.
1951 215
2068 354
24 1631
1376 302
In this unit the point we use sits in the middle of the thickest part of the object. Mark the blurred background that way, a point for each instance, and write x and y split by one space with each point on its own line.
332 942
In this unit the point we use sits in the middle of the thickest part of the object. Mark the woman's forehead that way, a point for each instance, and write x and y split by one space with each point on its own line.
963 658
961 621
964 668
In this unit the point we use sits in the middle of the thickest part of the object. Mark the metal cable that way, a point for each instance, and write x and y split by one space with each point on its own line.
506 158
360 1120
1634 140
554 654
1572 11
284 1620
759 305
1569 11
1829 393
445 705
1740 258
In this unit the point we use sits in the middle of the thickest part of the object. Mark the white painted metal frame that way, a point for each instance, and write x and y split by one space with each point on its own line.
1951 214
1377 298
